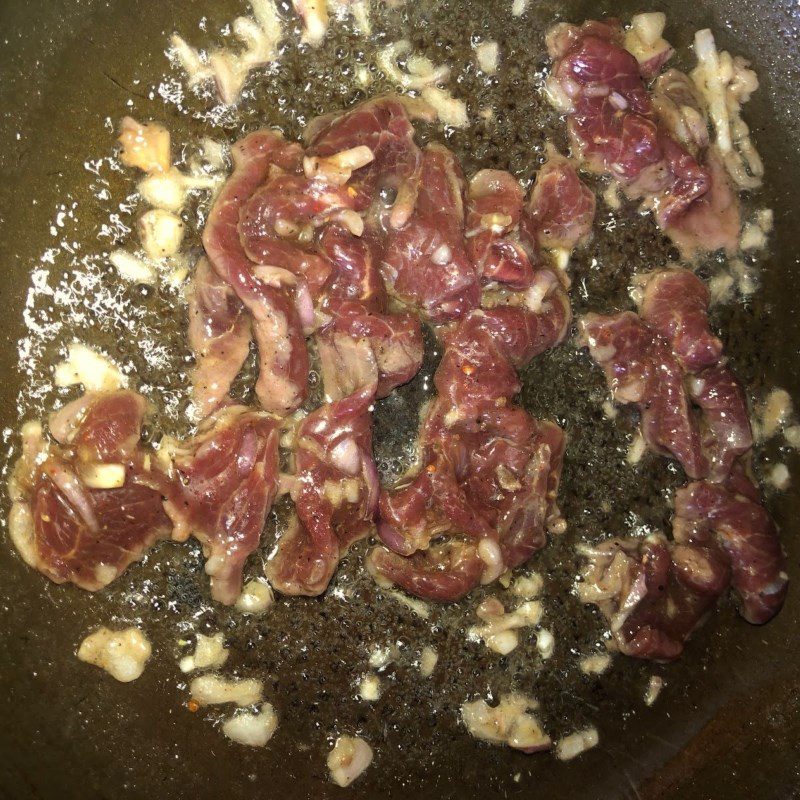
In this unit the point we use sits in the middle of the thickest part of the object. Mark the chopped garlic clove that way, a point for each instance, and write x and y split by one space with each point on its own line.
528 586
499 633
256 597
418 607
637 449
503 642
654 687
209 652
449 110
381 657
314 14
196 69
752 238
88 367
161 233
595 664
165 190
122 654
792 436
780 478
510 723
132 269
545 643
260 34
214 689
144 145
427 662
369 688
488 56
350 756
102 476
721 288
775 413
576 743
252 728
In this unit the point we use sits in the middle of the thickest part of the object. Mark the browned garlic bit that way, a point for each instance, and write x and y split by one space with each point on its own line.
83 365
256 597
369 688
427 662
576 743
527 586
792 436
509 723
145 146
499 633
122 654
209 652
418 607
422 75
252 728
214 689
773 414
487 55
779 477
260 35
644 38
161 233
654 687
595 664
727 83
350 756
636 450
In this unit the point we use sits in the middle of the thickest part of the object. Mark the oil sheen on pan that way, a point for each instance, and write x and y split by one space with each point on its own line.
418 416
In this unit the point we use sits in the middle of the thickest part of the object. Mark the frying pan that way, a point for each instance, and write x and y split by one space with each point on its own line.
728 722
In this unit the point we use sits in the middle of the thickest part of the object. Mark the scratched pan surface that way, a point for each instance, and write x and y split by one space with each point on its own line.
727 724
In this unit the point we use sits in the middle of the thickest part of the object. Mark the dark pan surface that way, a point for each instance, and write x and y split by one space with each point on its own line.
727 724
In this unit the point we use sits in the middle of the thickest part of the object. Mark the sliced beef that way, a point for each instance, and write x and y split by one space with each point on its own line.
675 305
732 515
425 264
494 212
335 493
219 337
283 359
653 592
488 472
650 144
640 368
560 211
228 477
383 125
86 507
